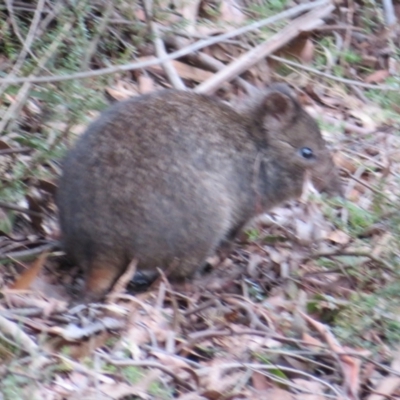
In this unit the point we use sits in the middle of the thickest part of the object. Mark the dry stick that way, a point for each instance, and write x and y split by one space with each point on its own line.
334 78
210 62
348 253
28 254
304 23
177 54
338 27
347 36
19 336
161 53
10 9
123 280
263 367
390 15
25 43
58 7
150 364
23 93
20 209
100 30
5 152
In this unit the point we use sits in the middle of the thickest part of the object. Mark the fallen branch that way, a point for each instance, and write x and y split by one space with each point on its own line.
20 209
161 52
306 22
177 54
332 77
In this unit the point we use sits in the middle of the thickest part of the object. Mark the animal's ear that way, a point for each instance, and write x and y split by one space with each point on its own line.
279 108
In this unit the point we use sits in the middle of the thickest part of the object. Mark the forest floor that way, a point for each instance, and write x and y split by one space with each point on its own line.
307 305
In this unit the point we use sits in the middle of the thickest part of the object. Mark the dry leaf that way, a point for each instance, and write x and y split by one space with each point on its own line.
27 277
316 388
277 394
260 382
230 11
122 90
339 237
377 76
146 84
388 385
185 71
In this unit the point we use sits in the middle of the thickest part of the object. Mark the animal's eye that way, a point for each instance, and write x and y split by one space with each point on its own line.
306 152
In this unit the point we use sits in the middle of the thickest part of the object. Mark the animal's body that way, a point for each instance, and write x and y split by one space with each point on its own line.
167 178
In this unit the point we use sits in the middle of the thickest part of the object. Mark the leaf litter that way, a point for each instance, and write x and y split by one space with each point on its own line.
273 320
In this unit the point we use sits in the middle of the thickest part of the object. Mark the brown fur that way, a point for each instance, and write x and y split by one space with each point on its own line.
170 176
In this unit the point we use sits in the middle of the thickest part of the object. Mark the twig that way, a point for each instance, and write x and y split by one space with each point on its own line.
19 336
95 41
266 367
177 316
5 152
390 14
338 27
58 7
369 187
81 368
347 36
150 364
25 43
14 24
177 54
334 78
201 307
161 52
246 305
306 22
23 93
20 209
124 279
210 62
30 253
347 253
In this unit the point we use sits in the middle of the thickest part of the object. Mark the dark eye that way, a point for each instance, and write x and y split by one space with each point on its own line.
306 152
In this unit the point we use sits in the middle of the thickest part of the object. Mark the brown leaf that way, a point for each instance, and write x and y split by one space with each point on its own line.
313 343
301 48
230 12
122 90
185 71
4 145
146 84
27 277
339 237
350 365
377 76
260 382
316 388
278 394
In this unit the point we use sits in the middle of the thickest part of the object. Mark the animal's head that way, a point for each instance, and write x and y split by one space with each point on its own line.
295 140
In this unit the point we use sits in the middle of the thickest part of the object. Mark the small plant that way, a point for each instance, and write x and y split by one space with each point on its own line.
252 234
370 315
132 374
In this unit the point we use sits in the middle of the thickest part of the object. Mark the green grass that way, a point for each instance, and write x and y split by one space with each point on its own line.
371 316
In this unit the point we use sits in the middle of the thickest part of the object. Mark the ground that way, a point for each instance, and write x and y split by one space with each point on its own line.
306 305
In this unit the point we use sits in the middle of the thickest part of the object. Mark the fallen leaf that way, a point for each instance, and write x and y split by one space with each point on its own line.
146 84
377 76
26 278
260 381
339 237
